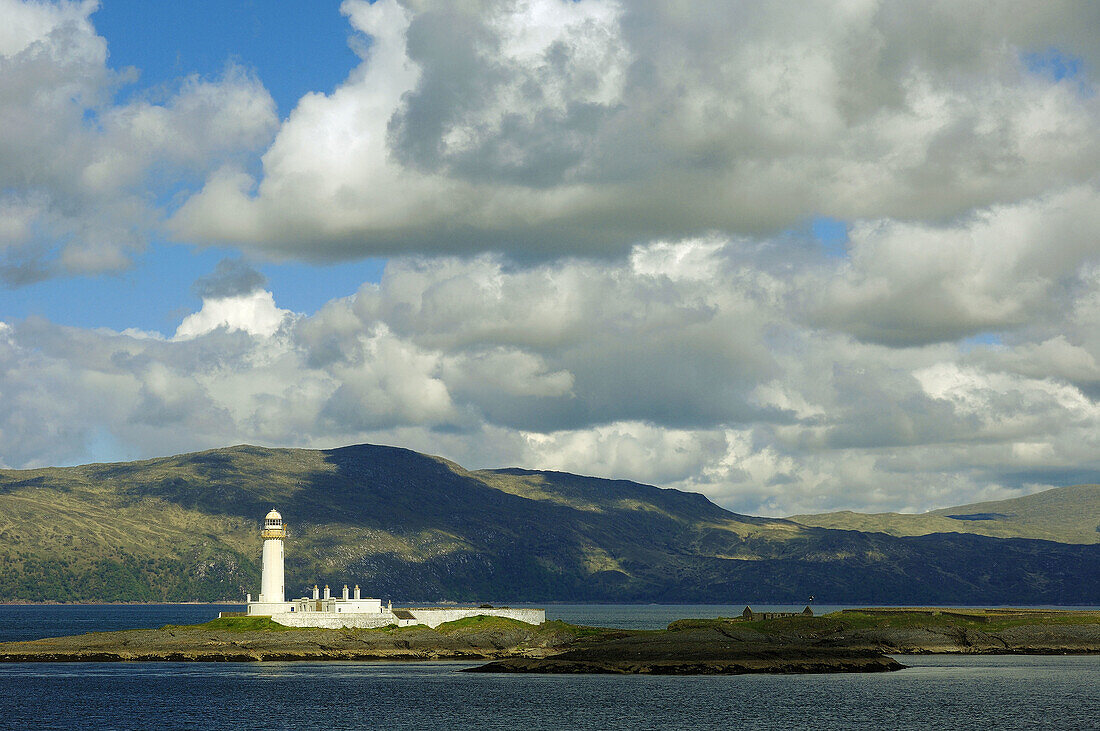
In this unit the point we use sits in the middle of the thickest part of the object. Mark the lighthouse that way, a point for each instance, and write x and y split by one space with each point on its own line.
346 610
272 587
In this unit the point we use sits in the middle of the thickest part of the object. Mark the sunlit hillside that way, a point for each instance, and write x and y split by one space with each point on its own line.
409 526
1064 514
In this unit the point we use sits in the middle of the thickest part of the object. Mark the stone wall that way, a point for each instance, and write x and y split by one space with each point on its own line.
333 620
435 616
430 616
266 609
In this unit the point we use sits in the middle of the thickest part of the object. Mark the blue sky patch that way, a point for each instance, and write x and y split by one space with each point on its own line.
294 46
1054 64
832 234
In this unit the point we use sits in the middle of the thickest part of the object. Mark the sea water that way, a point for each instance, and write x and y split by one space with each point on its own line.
937 691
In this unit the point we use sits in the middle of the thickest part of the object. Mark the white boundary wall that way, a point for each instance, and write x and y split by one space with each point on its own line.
266 609
435 616
429 616
334 620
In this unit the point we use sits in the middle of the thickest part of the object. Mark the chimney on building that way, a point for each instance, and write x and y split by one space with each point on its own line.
328 594
316 592
345 592
357 592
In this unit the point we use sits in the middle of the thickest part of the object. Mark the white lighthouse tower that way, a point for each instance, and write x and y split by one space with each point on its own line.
346 610
272 586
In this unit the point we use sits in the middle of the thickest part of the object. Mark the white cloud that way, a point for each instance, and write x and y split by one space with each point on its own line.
254 313
594 212
80 172
544 127
624 450
1000 268
687 364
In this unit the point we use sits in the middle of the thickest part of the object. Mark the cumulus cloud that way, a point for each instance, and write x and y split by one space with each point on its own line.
80 172
999 268
687 364
254 313
595 212
543 127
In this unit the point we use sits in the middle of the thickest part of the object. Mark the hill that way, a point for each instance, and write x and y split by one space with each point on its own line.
418 528
1063 514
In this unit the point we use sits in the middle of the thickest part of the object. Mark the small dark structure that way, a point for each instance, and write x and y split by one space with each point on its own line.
750 616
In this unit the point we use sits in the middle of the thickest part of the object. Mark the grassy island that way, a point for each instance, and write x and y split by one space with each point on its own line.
848 641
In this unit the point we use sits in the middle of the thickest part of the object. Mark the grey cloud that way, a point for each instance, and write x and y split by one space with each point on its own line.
694 355
230 278
23 272
1055 358
1001 268
465 71
1022 480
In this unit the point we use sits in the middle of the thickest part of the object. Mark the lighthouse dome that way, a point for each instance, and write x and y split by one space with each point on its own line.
273 518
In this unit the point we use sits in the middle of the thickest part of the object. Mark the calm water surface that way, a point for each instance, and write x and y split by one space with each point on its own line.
937 691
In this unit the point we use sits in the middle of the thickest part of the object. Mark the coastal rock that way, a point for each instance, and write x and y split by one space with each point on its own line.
704 651
841 663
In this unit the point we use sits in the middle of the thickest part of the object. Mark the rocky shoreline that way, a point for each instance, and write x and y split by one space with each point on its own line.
789 666
695 652
860 641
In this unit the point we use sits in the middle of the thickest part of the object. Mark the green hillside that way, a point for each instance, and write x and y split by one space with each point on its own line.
185 527
1064 514
412 527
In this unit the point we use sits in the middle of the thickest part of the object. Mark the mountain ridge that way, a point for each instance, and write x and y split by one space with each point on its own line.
417 527
1068 514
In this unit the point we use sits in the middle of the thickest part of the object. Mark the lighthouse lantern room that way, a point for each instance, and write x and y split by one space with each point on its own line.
272 586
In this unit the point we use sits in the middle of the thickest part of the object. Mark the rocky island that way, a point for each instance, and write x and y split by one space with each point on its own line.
234 639
848 641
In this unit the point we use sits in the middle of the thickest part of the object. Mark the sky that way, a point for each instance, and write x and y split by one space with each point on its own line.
838 255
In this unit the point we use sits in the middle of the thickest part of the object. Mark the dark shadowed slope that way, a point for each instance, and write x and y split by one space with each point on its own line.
414 527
